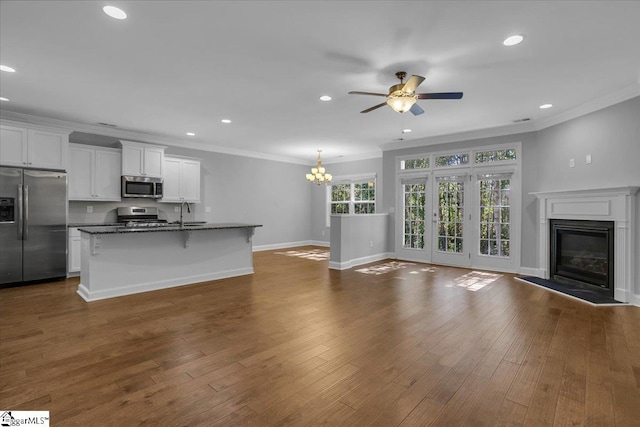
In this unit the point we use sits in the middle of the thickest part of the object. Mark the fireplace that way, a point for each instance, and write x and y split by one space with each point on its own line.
614 205
581 254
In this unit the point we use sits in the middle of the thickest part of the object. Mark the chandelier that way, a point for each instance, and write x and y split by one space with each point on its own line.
318 174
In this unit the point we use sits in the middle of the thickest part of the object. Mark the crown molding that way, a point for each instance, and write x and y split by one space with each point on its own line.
590 106
136 136
354 158
462 136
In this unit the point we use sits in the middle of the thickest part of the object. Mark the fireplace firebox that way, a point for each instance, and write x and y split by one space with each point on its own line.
582 254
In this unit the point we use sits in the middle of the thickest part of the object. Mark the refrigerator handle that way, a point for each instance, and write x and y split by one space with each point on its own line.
19 205
25 233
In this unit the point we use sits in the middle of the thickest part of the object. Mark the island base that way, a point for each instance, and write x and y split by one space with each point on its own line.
115 265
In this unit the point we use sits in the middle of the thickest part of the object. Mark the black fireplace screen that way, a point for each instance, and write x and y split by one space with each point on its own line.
582 252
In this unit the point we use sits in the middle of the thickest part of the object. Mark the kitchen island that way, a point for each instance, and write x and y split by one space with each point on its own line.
119 261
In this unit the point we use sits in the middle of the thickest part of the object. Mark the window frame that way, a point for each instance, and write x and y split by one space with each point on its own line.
352 180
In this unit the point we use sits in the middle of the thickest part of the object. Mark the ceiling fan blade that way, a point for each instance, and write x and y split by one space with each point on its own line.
353 92
442 95
412 84
374 107
416 110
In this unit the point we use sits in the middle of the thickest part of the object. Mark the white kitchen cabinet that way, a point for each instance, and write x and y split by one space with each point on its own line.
181 180
74 254
33 148
94 173
142 159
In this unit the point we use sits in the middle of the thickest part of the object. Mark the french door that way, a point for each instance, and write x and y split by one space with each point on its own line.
451 225
495 221
414 225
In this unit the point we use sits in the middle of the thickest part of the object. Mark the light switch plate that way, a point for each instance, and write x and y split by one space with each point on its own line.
176 209
89 209
588 159
572 163
207 209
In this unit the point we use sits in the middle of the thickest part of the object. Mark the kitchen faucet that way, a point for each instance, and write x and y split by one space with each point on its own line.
181 208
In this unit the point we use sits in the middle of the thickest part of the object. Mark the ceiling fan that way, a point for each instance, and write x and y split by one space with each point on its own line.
402 97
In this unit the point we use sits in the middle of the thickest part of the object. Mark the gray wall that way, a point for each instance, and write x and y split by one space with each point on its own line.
237 189
610 135
319 231
529 178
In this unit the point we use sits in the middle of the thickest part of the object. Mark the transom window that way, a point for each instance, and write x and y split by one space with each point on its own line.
495 155
452 160
419 163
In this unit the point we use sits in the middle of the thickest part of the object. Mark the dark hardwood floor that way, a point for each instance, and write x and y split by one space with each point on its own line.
299 344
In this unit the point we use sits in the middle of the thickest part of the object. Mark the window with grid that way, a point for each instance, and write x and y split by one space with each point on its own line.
413 214
450 213
495 214
355 197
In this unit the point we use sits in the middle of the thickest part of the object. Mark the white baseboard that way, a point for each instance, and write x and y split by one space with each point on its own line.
529 271
289 245
345 265
89 296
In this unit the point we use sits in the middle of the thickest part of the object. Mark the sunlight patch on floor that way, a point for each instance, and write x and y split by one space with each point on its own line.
475 280
385 268
312 254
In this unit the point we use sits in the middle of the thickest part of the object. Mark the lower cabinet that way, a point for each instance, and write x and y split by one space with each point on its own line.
74 255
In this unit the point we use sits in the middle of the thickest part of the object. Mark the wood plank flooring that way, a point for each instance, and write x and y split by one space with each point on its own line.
394 344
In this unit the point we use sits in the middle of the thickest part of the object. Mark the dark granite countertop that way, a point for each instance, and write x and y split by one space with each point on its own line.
93 224
173 227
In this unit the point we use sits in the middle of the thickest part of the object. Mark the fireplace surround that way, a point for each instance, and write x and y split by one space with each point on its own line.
614 205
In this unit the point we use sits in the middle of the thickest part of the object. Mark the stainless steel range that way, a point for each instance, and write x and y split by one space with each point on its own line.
138 217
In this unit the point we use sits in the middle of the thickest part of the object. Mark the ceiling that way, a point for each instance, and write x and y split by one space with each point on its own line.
181 66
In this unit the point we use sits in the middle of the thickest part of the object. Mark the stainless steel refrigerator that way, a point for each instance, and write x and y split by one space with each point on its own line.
33 225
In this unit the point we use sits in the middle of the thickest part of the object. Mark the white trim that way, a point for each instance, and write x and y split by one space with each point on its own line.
89 296
345 265
523 127
528 271
590 106
603 204
286 245
355 158
143 137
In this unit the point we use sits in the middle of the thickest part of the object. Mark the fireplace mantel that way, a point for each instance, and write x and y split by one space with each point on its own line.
604 204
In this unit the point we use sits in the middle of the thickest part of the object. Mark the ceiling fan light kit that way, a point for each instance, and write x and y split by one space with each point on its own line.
402 97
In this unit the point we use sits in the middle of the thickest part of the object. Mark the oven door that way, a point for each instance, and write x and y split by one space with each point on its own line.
140 187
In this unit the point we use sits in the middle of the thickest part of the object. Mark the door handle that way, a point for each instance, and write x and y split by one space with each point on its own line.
20 212
26 213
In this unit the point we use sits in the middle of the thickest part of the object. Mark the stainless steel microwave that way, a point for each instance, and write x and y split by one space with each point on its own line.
141 186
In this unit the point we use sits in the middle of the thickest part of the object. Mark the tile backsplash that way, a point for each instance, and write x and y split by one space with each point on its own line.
105 212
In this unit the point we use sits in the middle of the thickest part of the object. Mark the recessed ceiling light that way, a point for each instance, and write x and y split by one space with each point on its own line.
545 106
325 98
406 130
191 134
2 98
7 69
114 12
513 40
225 121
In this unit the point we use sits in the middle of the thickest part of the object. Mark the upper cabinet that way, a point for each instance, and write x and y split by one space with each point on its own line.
142 159
33 148
181 180
94 173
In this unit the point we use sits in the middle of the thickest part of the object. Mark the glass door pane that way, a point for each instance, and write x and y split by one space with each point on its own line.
412 236
450 223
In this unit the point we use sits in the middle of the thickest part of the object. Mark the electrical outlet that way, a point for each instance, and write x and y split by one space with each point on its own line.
588 159
89 209
371 243
207 209
176 209
572 163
